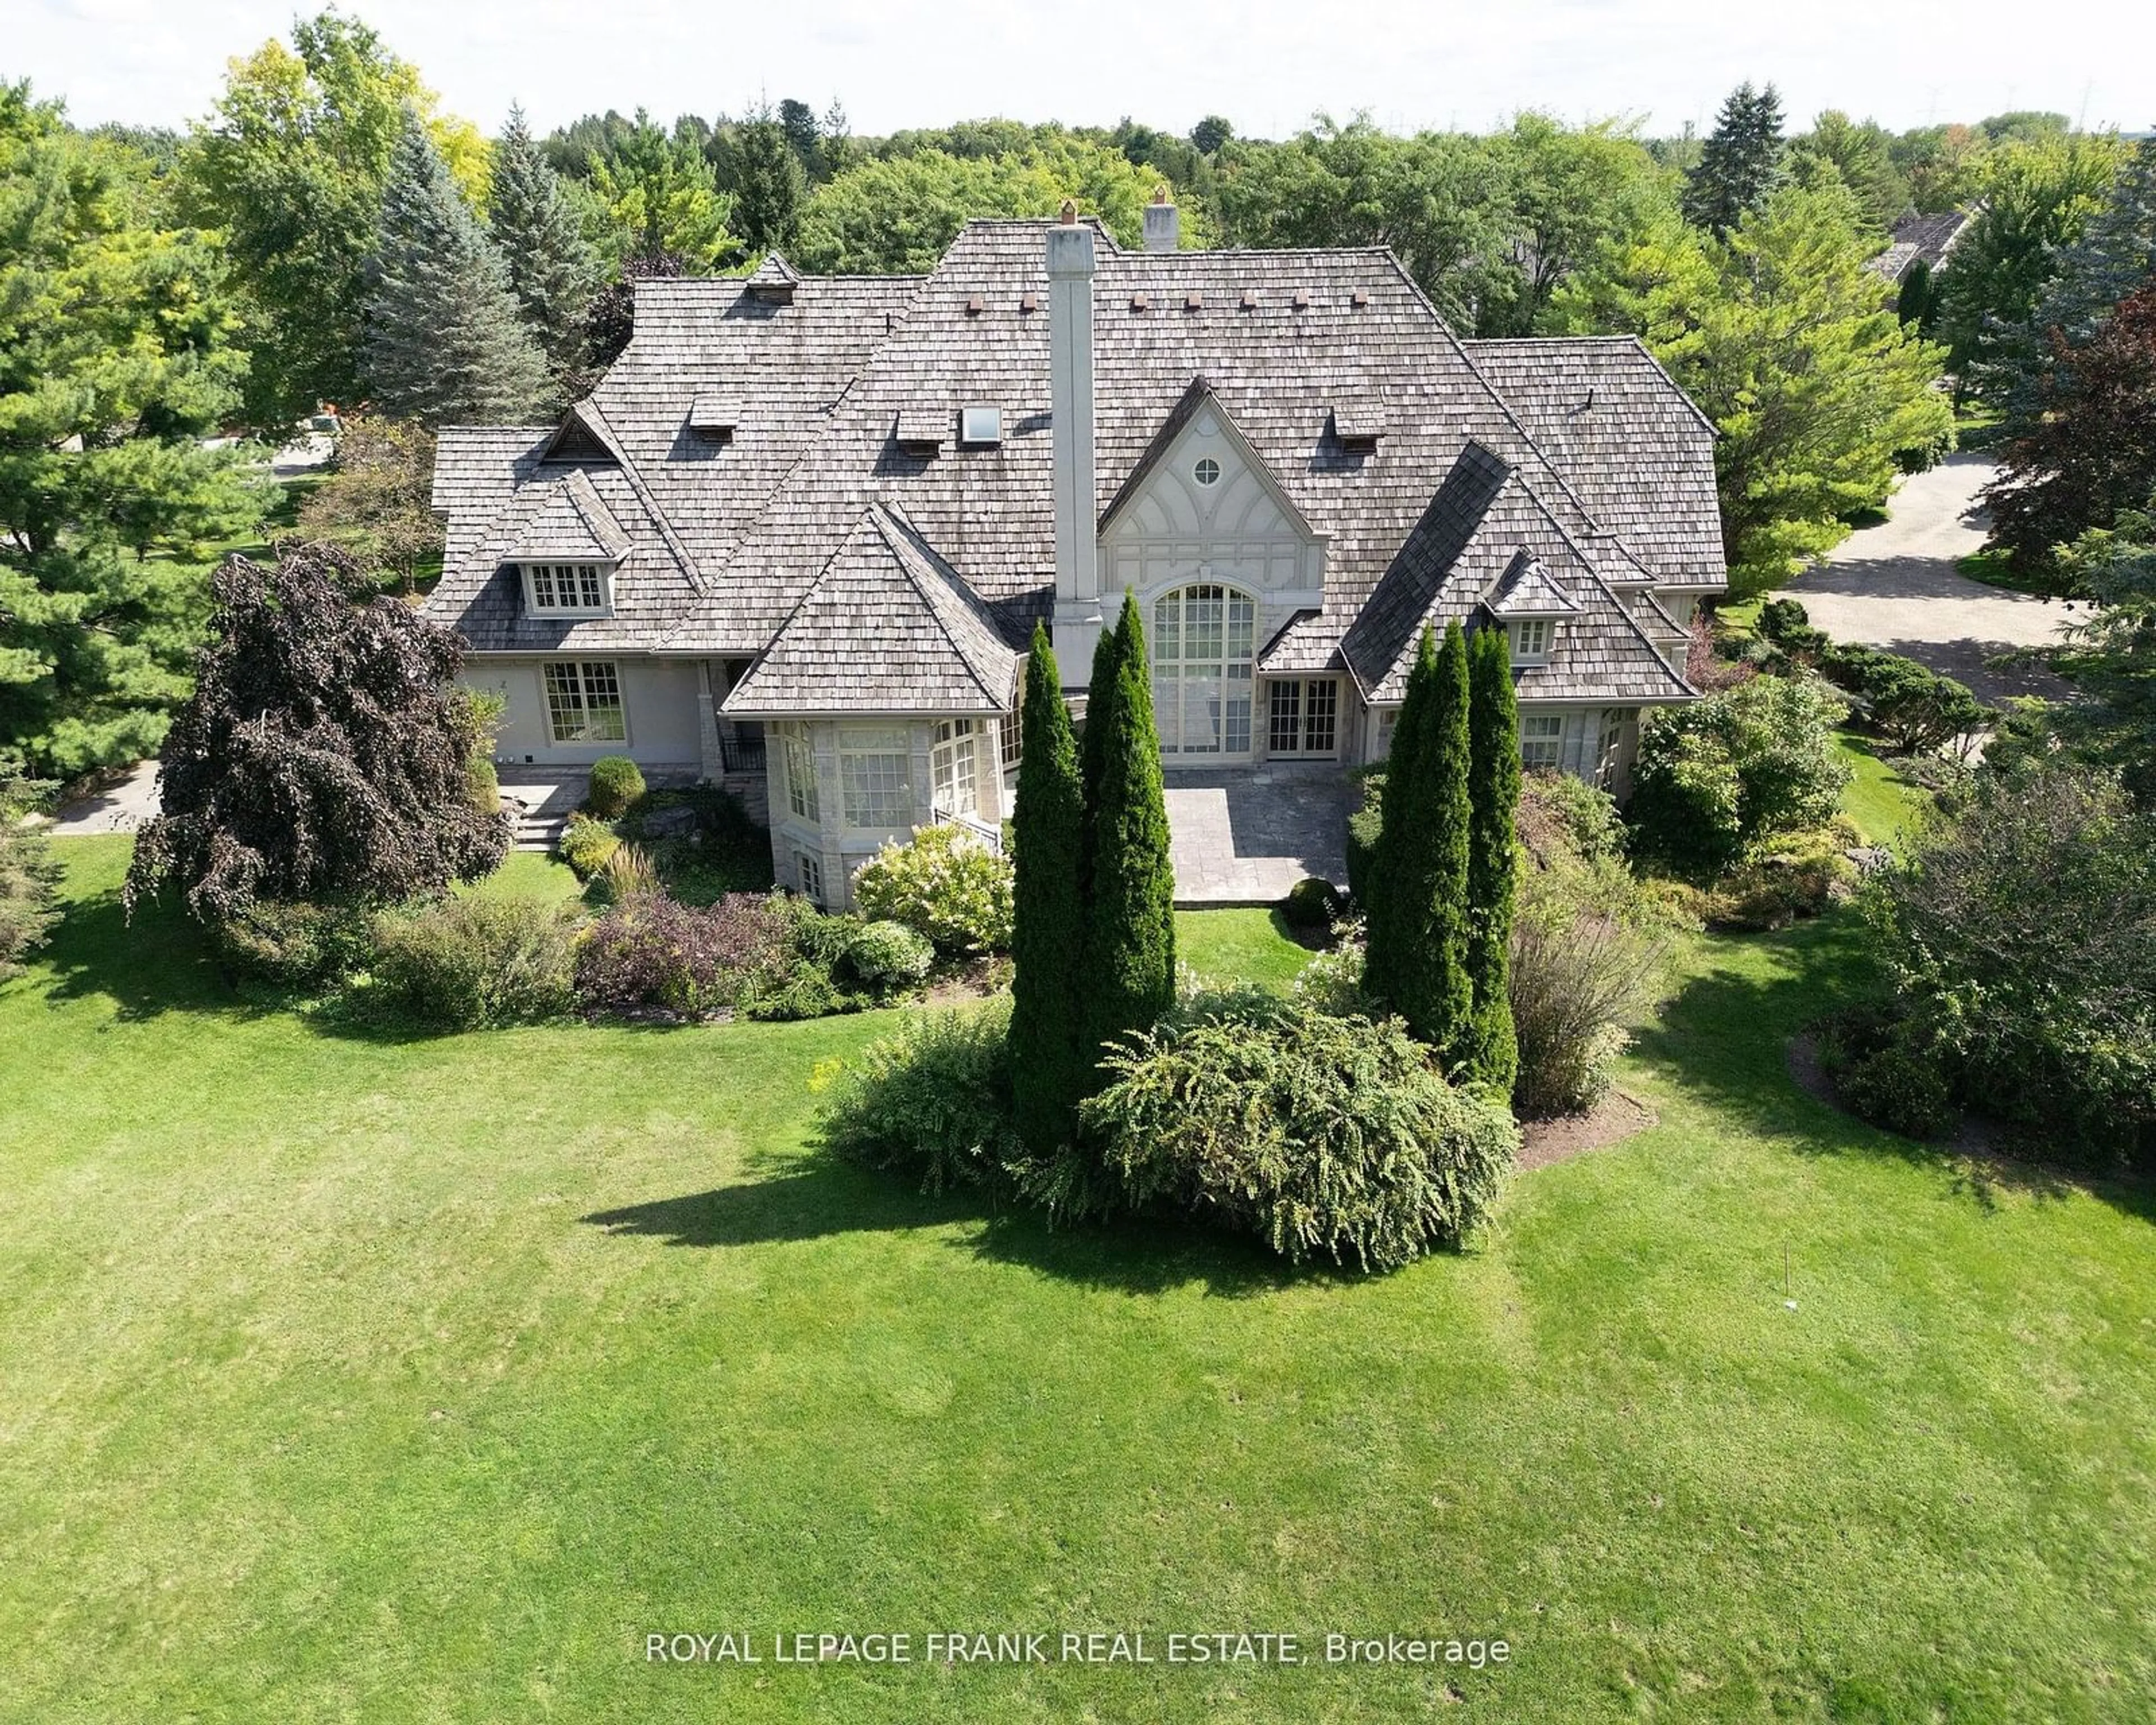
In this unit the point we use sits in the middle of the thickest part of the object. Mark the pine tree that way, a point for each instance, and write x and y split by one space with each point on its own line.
772 185
1426 887
1385 940
552 270
1741 161
2114 257
1049 1053
1492 1051
444 343
1129 913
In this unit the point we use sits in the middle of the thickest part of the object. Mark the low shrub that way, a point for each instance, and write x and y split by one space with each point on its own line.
1332 981
1311 903
1886 1071
701 842
944 883
887 957
1561 810
30 875
804 989
651 952
466 962
1320 1135
1777 617
1365 827
616 782
932 1101
296 945
627 874
1796 875
586 844
485 787
1577 975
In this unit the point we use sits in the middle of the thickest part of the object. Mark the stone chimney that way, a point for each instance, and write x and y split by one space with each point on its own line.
1163 228
1077 620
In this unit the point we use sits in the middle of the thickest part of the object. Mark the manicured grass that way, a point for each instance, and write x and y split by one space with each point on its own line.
1878 799
1996 568
346 1378
1246 945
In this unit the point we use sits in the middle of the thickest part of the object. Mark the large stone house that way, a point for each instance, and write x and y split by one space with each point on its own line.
797 538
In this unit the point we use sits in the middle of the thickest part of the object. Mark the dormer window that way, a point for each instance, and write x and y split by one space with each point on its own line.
568 590
1531 639
981 424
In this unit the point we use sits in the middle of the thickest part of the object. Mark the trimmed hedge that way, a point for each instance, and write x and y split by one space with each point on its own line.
616 782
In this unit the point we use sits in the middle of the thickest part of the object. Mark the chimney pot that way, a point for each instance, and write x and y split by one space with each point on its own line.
1069 216
1163 227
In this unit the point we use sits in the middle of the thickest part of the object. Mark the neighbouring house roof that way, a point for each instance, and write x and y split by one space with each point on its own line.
1921 239
571 522
887 626
1584 452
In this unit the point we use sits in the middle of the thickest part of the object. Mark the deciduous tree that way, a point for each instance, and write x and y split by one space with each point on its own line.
659 196
323 754
377 499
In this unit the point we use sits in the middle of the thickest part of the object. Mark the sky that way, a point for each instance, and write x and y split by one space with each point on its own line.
1268 66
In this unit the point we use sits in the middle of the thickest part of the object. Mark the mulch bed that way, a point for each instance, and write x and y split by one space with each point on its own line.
1617 1117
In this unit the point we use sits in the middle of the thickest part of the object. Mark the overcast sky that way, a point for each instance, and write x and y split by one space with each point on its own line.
1267 65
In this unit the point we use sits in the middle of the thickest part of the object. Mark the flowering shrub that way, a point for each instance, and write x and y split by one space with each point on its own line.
648 951
944 883
888 956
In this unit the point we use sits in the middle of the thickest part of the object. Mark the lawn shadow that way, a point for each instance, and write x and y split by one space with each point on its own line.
159 963
1724 1039
826 1196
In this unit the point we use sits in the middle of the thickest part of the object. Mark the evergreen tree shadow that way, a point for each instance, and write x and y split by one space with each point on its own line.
827 1196
1724 1042
159 963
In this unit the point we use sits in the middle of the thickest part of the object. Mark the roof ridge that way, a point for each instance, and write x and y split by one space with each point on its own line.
605 432
886 520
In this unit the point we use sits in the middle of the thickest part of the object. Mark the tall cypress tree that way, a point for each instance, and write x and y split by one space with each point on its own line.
1130 913
1428 983
1098 692
552 270
1491 1050
1384 940
444 342
1049 1053
1739 163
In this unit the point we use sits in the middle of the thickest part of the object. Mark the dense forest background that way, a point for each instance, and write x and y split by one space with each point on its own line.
329 235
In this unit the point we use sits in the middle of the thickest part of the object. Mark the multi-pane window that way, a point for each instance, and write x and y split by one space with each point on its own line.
584 702
1608 741
1304 717
1531 639
808 875
951 768
567 589
1542 739
1204 641
1010 731
874 776
800 777
1388 722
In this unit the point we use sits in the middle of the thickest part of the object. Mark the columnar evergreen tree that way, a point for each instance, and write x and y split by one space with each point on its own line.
1386 939
444 343
1130 926
1426 876
1491 1051
532 223
1099 693
1741 161
772 185
1049 1053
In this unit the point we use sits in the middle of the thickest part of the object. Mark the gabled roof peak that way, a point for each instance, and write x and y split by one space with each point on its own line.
774 268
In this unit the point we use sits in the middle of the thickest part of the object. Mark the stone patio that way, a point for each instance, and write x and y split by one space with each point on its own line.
1245 836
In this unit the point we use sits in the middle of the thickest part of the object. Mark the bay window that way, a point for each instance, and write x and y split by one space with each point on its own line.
875 776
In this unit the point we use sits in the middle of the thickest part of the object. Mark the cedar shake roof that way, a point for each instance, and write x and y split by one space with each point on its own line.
1485 450
1628 442
571 523
888 627
1526 589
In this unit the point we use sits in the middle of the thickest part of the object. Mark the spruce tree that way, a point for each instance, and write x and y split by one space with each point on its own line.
552 270
1048 1054
1739 163
1130 914
1384 940
1427 972
1491 1050
772 185
2114 257
444 343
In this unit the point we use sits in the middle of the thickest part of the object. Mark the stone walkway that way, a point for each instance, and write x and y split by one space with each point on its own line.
1244 835
1895 586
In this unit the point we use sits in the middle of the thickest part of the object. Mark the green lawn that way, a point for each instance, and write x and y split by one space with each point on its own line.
364 1379
1876 797
1239 945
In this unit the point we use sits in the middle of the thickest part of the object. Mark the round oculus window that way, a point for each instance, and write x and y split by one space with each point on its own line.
1207 472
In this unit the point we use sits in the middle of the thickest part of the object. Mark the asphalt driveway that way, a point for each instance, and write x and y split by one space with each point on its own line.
1895 586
